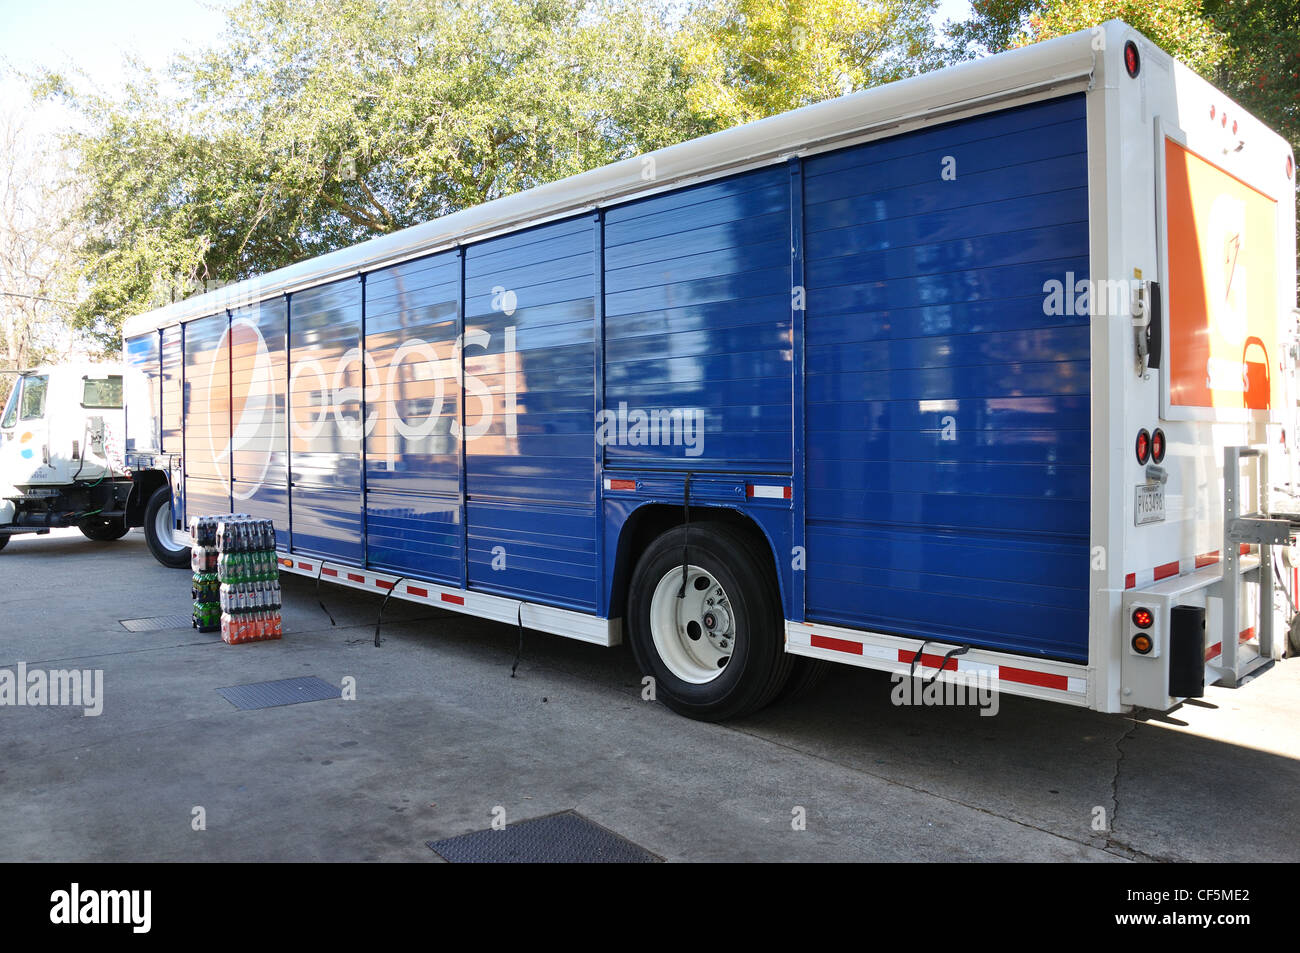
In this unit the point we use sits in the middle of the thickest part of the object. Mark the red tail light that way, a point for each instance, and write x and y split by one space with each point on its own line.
1132 62
1142 618
1143 446
1158 446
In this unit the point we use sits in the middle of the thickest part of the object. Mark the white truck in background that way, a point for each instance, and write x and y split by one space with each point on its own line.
61 453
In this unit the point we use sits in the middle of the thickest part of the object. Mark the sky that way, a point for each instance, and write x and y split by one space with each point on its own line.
95 36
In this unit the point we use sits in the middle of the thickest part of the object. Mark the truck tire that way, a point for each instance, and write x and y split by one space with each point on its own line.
157 531
718 653
805 676
103 531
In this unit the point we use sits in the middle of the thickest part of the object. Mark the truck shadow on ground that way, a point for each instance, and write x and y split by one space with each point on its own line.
1126 784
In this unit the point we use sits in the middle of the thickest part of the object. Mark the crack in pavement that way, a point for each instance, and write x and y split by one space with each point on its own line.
1113 844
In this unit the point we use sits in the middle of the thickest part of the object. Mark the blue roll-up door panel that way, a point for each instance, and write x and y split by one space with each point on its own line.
207 416
325 420
530 445
698 323
413 508
171 411
258 444
141 355
947 412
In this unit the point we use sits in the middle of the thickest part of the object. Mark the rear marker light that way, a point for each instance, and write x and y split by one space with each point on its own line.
1142 618
1290 167
1132 62
1158 446
1143 446
1141 644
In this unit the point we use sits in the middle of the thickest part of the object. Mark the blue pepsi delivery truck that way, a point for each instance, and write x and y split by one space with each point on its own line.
949 377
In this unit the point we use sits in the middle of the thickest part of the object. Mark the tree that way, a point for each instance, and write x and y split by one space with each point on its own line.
1180 27
748 59
37 238
315 126
1261 65
992 27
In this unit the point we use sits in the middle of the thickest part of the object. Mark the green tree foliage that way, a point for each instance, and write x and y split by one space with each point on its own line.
308 127
1261 66
992 27
1178 26
313 126
747 59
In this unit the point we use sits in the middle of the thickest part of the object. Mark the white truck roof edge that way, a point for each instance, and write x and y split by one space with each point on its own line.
1042 65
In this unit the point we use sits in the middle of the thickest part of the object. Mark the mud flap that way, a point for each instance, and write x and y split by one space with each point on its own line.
1187 651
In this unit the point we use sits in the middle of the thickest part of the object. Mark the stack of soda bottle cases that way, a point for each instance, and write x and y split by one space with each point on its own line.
205 586
237 555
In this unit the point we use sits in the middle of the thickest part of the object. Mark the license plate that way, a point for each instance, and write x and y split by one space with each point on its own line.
1149 507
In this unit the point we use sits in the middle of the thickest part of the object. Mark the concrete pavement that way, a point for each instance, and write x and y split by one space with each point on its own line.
440 735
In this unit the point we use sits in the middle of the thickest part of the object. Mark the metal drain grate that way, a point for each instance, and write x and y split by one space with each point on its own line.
286 691
566 838
157 624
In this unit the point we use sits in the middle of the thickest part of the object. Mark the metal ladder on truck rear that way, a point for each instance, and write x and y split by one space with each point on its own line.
1257 527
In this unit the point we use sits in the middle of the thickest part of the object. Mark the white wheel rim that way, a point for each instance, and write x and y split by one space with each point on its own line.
162 529
695 636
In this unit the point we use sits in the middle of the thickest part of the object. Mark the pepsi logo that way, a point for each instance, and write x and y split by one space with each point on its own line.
252 405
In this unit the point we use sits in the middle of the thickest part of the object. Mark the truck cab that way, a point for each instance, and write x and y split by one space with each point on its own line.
61 453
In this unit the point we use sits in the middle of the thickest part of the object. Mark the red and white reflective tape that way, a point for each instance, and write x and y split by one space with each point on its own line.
1178 567
583 626
760 492
369 580
876 650
1215 650
374 581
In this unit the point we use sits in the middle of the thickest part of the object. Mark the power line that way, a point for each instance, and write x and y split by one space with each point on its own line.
15 294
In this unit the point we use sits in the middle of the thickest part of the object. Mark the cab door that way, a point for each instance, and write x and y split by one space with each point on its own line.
25 451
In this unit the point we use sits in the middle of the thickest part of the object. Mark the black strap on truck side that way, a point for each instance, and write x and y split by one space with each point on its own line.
319 597
916 660
519 649
388 595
